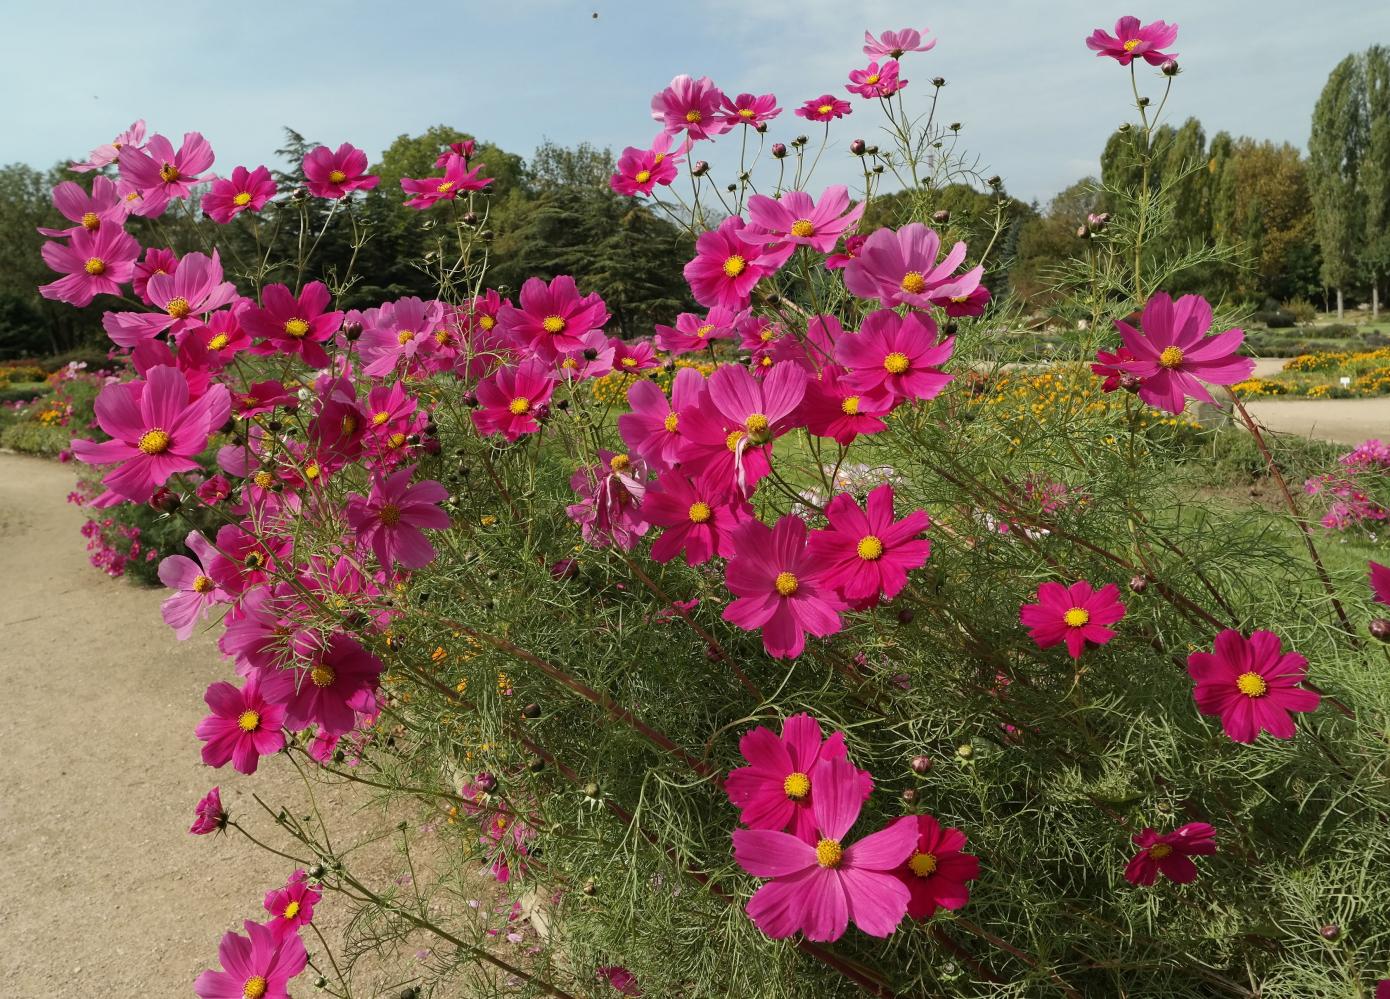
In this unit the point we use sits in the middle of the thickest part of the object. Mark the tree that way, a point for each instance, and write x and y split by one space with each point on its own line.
1270 214
1374 172
1046 240
1335 149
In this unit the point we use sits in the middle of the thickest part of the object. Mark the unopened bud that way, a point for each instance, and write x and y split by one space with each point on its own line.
352 331
954 126
858 147
1129 382
536 765
1170 67
760 127
938 81
1139 584
995 182
165 500
909 795
1330 932
800 140
965 751
779 150
591 790
566 568
470 218
941 217
700 168
921 764
531 711
486 782
1380 628
905 615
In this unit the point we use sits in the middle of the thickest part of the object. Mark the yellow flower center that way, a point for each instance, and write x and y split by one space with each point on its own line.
253 560
960 299
519 405
569 363
1160 850
291 910
154 442
870 548
731 442
796 786
628 362
850 405
249 721
620 462
255 987
913 283
178 307
746 112
828 853
786 584
349 424
168 173
1077 617
756 423
263 479
803 228
202 584
379 418
94 266
671 422
826 108
705 330
395 440
1132 44
700 512
693 117
1171 357
219 341
441 337
405 336
642 176
91 220
871 78
322 675
922 864
243 199
896 363
390 514
336 176
553 324
735 266
487 322
1252 685
312 470
297 328
445 187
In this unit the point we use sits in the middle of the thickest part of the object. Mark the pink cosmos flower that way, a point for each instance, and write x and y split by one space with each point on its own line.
1173 352
389 522
513 398
652 429
826 107
157 261
937 871
399 331
196 590
632 356
896 44
213 491
970 304
341 683
1111 367
93 262
552 318
692 333
854 245
690 105
1168 854
593 358
1383 989
777 587
1252 684
900 268
458 178
155 429
831 408
738 417
245 190
640 170
208 815
895 356
774 791
1380 582
334 174
819 888
103 156
292 906
258 965
194 288
294 325
1075 614
1132 40
865 554
696 521
221 336
90 211
876 80
623 980
160 174
610 497
750 109
462 149
263 397
726 266
795 219
245 724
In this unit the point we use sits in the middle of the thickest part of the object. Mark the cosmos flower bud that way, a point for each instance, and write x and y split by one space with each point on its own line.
995 182
590 889
800 140
731 188
954 126
909 795
470 218
566 568
700 168
938 81
1170 67
1380 629
879 168
965 751
872 150
536 765
486 782
1082 232
165 500
410 992
779 150
1129 382
320 982
921 764
470 400
858 147
1330 932
592 790
317 871
531 711
1139 584
905 615
941 217
1143 102
352 331
590 353
760 127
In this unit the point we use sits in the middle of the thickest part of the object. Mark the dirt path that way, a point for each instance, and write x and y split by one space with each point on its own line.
106 893
1346 421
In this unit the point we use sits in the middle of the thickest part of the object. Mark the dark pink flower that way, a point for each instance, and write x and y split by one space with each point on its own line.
246 190
632 356
896 44
1173 352
866 554
726 266
208 815
1133 40
619 978
750 109
610 497
294 325
292 906
398 332
692 333
697 522
457 179
1077 615
160 174
196 590
390 520
156 261
831 408
511 400
817 889
333 174
552 318
1252 683
900 268
1169 853
245 724
795 219
90 211
690 105
937 871
93 262
1111 367
1380 582
341 683
895 356
640 170
256 966
826 107
876 80
183 296
652 429
854 244
777 588
107 154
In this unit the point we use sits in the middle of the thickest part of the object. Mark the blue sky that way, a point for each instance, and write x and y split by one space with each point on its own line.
1035 103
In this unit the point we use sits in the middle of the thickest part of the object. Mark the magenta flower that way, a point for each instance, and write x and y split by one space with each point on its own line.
1132 40
1075 614
399 331
624 981
90 211
690 105
513 398
750 109
774 791
156 261
294 325
777 587
610 496
389 522
1168 854
1380 582
652 428
458 178
900 268
831 408
208 815
93 262
334 174
853 245
196 590
1111 367
292 906
256 966
726 266
341 682
155 429
819 888
632 356
896 44
552 318
697 522
895 356
640 170
937 871
245 190
865 554
826 107
107 154
1252 684
194 288
692 333
876 80
160 174
762 408
795 219
1173 352
245 724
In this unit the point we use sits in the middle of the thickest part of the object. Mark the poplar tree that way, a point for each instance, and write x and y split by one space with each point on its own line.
1374 174
1335 149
